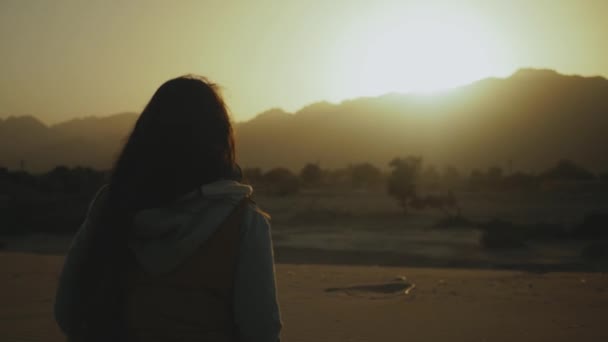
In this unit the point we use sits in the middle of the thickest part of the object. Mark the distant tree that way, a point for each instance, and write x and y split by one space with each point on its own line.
281 181
364 175
567 170
311 174
402 180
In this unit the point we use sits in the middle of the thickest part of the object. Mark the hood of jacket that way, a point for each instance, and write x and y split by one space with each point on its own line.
164 237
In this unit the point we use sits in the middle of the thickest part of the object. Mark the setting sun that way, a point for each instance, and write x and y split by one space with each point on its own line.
421 50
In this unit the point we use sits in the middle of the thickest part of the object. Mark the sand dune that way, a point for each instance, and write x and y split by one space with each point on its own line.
368 303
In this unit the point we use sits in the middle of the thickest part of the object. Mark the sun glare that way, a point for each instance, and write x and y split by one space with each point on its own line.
423 50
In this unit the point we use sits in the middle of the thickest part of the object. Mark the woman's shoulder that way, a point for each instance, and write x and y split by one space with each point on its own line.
256 221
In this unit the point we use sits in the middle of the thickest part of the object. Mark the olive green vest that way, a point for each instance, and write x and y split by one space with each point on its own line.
195 301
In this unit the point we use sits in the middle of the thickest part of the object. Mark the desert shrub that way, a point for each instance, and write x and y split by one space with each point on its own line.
499 234
403 178
594 226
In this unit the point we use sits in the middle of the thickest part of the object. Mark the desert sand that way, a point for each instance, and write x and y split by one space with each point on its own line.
369 303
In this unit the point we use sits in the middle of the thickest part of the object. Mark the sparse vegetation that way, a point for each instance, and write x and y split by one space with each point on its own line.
403 178
55 202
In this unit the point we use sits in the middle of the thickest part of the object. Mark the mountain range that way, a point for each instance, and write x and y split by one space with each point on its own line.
527 121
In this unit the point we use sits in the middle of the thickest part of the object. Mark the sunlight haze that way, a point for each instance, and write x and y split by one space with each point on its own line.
63 59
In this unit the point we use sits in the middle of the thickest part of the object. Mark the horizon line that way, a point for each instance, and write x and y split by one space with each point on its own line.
425 93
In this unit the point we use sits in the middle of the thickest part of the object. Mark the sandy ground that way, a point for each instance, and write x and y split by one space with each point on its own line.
368 303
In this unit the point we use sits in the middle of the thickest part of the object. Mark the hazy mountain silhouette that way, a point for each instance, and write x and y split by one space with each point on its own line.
534 118
88 141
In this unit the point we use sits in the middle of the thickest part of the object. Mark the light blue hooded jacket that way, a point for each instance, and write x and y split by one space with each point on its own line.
195 217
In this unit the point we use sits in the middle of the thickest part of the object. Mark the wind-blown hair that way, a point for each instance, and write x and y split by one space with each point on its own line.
182 140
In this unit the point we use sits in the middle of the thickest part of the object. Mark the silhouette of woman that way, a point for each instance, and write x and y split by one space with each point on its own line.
173 249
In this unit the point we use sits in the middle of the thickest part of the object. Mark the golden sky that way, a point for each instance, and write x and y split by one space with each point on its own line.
67 58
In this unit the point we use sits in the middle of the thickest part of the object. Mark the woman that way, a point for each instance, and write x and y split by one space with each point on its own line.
172 249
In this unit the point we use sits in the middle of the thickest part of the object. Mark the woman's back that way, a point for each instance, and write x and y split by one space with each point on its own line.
194 302
200 269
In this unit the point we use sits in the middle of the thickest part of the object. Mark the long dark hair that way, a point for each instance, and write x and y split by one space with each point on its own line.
182 140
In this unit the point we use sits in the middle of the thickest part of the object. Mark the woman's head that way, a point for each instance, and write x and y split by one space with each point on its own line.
182 139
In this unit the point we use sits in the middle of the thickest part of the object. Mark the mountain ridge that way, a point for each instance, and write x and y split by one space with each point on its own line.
530 119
